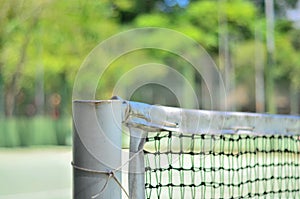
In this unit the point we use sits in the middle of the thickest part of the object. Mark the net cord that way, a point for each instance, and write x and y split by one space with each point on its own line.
154 118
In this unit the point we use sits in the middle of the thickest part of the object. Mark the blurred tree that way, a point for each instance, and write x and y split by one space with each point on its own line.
55 36
16 25
202 21
1 93
280 6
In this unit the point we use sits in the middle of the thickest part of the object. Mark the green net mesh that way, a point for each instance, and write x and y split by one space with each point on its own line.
221 166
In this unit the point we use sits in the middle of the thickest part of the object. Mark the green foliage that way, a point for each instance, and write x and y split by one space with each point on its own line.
45 42
154 20
59 34
290 59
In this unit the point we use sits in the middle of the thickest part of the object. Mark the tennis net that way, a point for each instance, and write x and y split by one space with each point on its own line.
179 153
221 166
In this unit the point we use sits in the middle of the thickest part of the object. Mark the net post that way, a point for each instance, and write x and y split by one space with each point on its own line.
97 142
136 179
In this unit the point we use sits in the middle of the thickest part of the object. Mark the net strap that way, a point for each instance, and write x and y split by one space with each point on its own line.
109 173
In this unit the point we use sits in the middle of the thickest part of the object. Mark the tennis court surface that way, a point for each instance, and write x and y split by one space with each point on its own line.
34 173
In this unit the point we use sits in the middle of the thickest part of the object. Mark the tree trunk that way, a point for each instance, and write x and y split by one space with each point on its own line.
13 87
294 100
1 92
269 9
259 72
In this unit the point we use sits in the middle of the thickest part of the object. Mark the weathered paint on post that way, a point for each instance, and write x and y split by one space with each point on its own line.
97 140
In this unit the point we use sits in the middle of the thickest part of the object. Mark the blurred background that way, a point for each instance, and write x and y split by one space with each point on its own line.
254 43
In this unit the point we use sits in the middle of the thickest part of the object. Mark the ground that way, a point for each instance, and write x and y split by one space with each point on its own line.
33 173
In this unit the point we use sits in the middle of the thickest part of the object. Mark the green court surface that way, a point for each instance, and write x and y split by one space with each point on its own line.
32 173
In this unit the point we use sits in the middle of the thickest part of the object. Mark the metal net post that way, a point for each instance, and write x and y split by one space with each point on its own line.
97 141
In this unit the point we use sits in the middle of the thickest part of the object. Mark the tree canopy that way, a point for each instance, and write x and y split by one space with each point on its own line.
43 43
